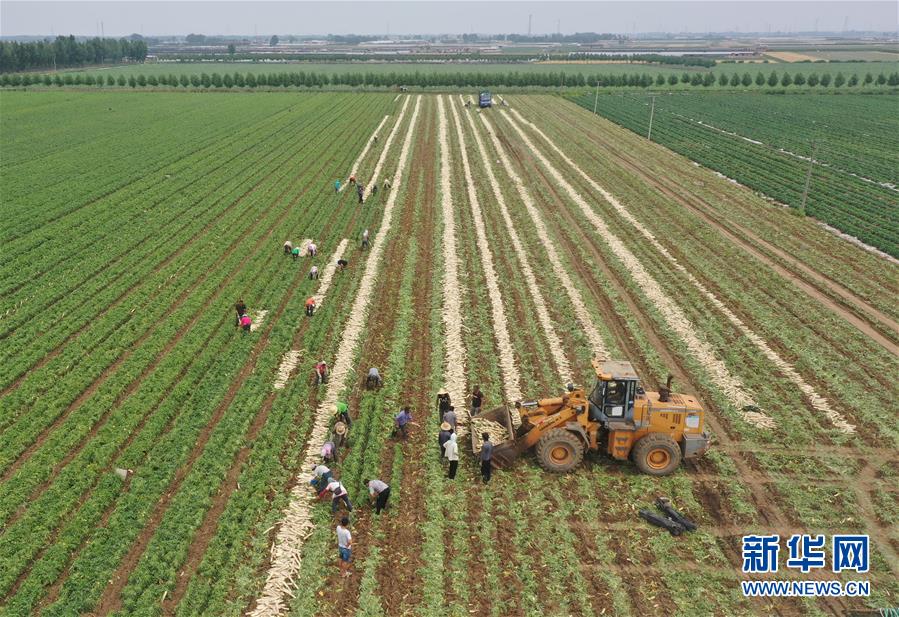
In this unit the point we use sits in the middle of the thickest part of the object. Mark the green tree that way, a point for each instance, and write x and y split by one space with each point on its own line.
685 78
239 80
231 49
825 80
196 81
49 80
893 79
839 80
723 80
853 81
708 80
660 80
772 79
799 80
759 79
216 80
786 80
184 80
734 80
227 80
110 80
881 79
250 80
696 80
121 81
141 80
813 80
273 41
205 80
132 81
746 80
868 78
672 80
89 80
152 80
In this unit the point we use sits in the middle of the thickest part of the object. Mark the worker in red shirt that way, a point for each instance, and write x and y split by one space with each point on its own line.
310 306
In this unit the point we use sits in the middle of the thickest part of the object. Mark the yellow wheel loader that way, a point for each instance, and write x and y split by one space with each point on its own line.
656 429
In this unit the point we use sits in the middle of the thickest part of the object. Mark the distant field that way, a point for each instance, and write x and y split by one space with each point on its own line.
763 141
192 68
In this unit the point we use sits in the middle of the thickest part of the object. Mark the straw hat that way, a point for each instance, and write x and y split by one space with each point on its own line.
442 391
340 428
445 426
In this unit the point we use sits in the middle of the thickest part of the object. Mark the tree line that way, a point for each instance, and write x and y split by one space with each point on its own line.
314 79
66 52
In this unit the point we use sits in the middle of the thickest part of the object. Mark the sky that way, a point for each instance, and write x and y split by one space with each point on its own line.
161 17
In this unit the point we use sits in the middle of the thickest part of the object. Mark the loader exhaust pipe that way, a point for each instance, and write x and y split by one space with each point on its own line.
665 391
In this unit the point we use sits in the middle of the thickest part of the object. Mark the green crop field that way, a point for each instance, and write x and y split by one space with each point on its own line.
765 141
155 458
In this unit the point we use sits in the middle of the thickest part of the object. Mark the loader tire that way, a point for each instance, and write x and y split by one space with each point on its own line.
560 451
657 454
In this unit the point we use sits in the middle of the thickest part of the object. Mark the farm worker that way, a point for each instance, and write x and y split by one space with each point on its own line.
342 264
241 310
311 249
376 138
443 436
443 403
360 189
380 492
337 186
374 188
288 247
321 372
486 455
339 434
386 184
344 546
450 417
321 477
338 494
343 413
310 306
328 451
246 323
365 239
353 179
477 399
402 420
373 379
452 454
295 252
313 273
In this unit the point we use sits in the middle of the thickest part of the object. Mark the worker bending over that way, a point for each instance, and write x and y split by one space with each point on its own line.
288 247
311 249
313 273
338 494
321 373
295 252
321 477
365 239
310 306
241 309
246 323
379 492
373 380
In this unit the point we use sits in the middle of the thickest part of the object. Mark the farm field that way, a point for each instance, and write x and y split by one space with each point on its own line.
765 141
194 68
513 246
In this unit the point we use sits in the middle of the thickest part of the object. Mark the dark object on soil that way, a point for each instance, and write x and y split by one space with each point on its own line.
658 520
664 504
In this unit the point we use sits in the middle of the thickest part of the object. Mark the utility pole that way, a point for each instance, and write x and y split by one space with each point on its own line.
808 177
596 98
651 113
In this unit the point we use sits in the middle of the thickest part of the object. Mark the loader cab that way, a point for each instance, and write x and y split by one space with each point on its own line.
614 392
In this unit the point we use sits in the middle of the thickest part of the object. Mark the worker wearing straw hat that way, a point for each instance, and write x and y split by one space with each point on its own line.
339 434
443 436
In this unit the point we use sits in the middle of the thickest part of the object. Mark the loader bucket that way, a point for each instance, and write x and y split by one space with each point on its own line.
503 436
